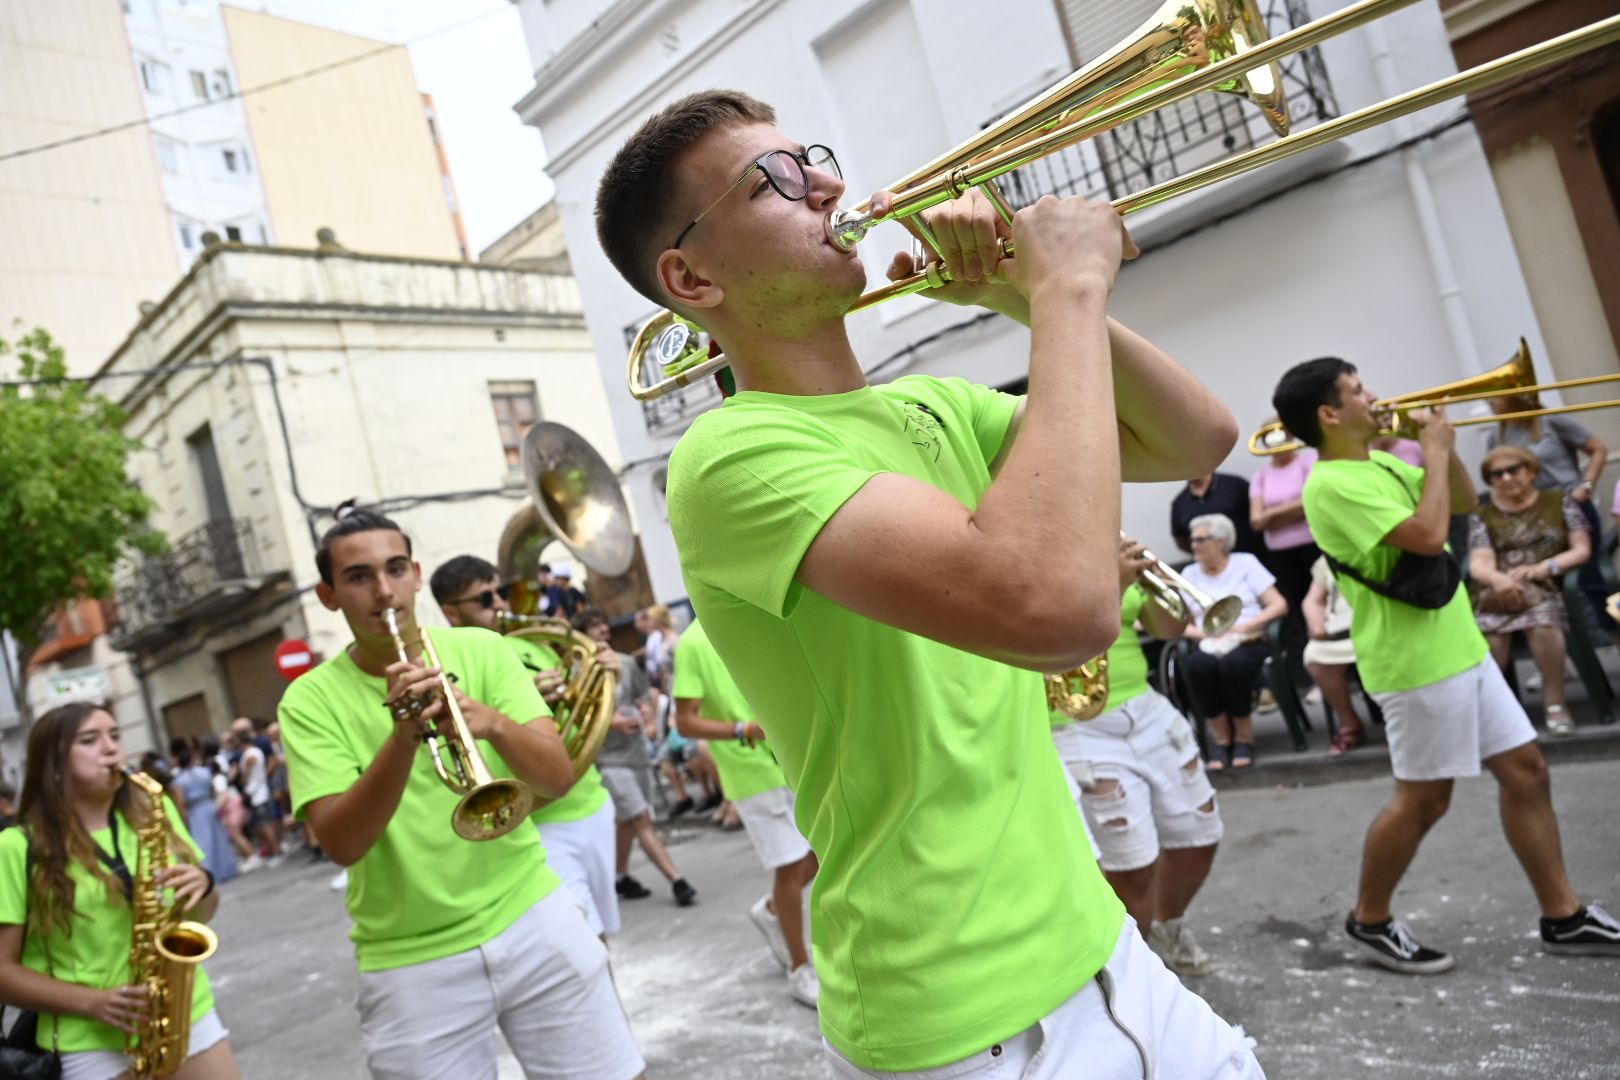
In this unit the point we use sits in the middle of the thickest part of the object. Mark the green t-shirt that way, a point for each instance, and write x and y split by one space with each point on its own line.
745 771
958 901
1351 507
587 796
1127 663
97 952
421 892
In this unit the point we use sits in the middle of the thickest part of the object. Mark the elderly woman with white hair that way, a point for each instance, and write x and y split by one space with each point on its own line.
1223 669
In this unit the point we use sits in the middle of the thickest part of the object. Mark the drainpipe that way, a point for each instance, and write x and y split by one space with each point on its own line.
1449 292
160 742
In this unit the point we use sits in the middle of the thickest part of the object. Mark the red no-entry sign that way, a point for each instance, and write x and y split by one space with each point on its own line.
293 658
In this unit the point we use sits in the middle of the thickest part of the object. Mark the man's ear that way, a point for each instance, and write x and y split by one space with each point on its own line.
1327 416
685 284
324 593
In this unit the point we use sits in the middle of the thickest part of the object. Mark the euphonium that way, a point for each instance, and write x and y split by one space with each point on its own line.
1081 692
489 808
584 713
163 953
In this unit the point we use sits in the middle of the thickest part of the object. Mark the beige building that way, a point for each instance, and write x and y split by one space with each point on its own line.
348 148
535 243
85 227
284 381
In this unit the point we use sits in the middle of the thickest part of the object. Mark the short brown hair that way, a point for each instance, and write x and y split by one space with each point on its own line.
638 196
1516 454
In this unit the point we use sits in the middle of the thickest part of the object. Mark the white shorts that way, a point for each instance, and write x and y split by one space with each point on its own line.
1147 748
768 817
629 788
582 854
1443 731
543 980
106 1064
1133 1002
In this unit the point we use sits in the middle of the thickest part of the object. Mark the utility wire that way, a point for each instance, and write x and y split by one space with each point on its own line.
273 84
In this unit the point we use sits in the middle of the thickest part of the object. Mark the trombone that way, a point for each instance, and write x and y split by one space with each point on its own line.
489 807
1516 378
1186 47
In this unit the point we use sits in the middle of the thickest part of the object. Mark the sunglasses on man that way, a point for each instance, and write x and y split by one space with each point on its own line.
486 599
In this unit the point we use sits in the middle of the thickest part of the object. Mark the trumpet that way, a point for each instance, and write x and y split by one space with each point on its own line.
1182 49
489 807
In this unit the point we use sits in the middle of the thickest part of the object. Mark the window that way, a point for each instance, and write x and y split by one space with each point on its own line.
516 409
231 163
151 76
185 236
167 157
233 234
199 85
222 83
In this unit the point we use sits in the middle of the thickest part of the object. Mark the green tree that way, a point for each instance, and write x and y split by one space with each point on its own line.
69 510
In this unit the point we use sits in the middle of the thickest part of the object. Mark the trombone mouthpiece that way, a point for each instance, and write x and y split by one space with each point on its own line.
846 228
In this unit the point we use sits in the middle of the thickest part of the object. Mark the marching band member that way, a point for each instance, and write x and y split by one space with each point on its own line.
1447 709
709 706
66 888
577 829
452 937
1146 798
877 567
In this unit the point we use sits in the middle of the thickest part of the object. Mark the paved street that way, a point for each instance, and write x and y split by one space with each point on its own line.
707 1001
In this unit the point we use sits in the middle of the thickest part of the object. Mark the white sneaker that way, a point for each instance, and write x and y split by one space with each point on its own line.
805 985
771 927
340 882
1178 948
1558 721
250 864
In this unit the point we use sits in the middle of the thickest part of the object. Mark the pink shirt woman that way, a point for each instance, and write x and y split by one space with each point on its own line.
1274 499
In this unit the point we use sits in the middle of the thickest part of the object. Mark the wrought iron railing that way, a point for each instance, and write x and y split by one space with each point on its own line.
202 564
676 409
1188 135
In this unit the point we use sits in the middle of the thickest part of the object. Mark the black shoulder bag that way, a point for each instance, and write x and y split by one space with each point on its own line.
20 1055
1425 581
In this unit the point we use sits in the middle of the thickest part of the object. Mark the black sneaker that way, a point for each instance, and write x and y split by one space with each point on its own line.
682 807
685 895
711 802
1393 946
1591 931
629 888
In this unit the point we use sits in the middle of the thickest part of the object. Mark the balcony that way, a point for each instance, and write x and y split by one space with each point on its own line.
208 572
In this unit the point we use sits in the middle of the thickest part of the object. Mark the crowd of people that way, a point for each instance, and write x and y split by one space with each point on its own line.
960 879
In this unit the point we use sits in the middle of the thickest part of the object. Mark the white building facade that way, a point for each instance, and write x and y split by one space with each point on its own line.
199 131
1398 260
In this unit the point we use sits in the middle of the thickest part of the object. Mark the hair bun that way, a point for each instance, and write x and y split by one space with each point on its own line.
345 508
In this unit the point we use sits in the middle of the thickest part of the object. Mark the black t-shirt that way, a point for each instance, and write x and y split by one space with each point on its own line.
1227 495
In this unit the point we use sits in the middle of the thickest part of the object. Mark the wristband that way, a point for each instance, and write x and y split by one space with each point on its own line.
739 732
210 890
1552 568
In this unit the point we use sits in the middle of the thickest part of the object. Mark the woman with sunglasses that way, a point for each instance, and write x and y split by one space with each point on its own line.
1521 540
66 877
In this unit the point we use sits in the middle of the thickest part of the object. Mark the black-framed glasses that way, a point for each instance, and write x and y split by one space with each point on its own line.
1493 475
486 599
785 171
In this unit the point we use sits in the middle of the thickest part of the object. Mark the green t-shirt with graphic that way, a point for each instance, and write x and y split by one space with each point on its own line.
97 951
587 796
421 892
1127 663
958 901
745 771
1351 507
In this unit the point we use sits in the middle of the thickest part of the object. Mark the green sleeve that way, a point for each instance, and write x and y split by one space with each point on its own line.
532 654
746 498
508 687
689 658
991 412
13 877
320 762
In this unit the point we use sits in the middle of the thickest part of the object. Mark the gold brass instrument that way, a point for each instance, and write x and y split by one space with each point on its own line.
489 808
1080 693
1234 55
584 713
164 951
1516 378
577 496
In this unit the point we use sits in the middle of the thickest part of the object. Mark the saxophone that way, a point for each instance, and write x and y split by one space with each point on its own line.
163 953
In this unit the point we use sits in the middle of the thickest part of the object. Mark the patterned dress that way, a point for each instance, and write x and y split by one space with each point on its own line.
1524 538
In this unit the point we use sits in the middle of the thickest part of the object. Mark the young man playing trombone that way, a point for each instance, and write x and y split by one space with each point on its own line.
453 937
1447 708
848 549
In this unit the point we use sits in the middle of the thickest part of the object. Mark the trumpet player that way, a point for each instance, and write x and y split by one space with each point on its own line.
1148 803
577 829
67 891
452 937
848 549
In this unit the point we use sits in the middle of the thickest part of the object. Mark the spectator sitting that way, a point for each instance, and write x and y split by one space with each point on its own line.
1222 670
1329 655
1214 493
1519 542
